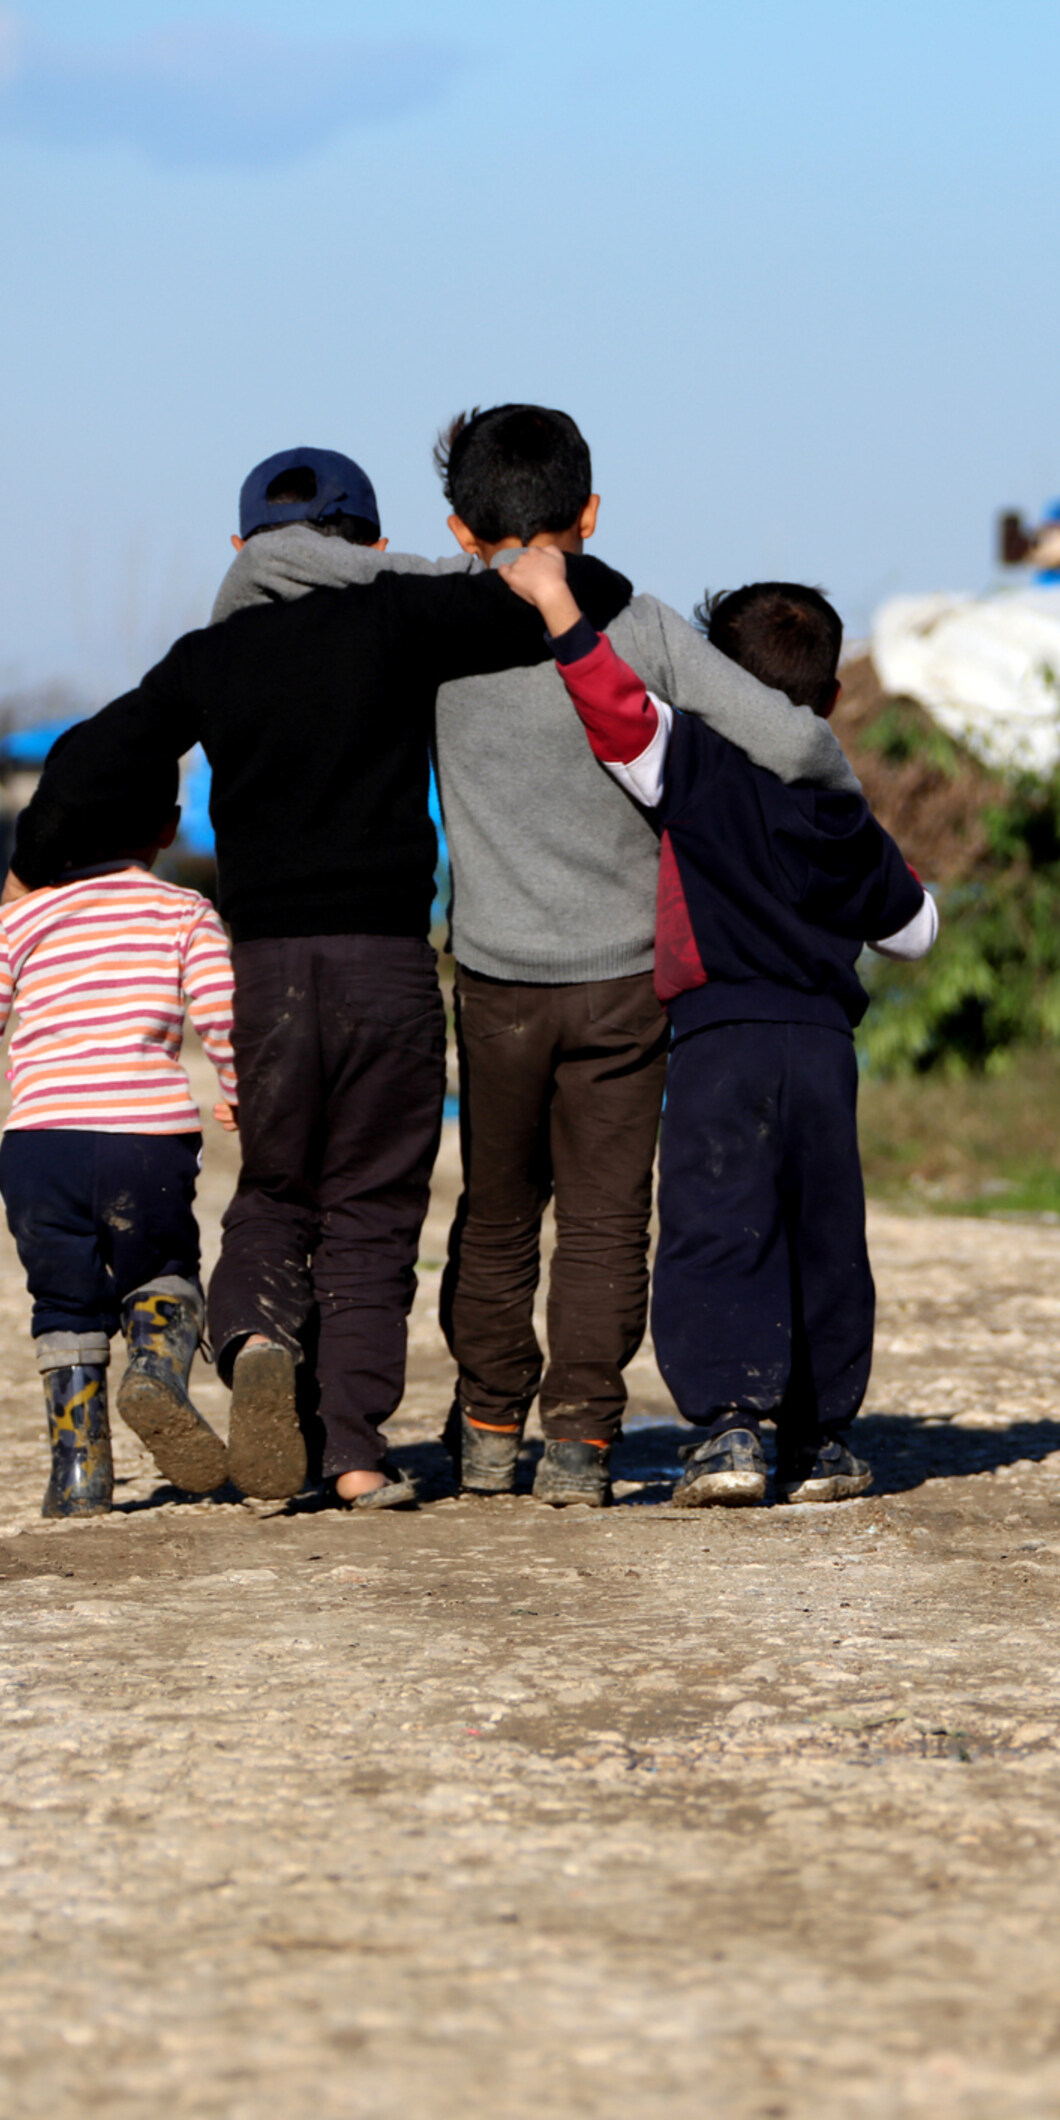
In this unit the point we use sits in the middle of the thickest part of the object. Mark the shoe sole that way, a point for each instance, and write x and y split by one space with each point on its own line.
840 1487
266 1447
398 1494
725 1490
185 1449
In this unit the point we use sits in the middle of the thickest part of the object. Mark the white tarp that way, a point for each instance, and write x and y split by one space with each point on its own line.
987 668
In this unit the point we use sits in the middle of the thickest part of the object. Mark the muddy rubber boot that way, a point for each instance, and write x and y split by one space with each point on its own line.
162 1322
266 1448
572 1472
484 1455
75 1395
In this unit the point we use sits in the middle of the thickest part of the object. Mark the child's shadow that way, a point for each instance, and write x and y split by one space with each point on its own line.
648 1457
904 1452
164 1493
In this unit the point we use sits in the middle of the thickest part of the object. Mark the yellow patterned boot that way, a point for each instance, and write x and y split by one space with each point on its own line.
75 1394
162 1323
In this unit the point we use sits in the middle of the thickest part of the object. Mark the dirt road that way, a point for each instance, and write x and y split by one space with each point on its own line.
489 1810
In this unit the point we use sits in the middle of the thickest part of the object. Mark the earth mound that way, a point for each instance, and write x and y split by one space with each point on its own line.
924 786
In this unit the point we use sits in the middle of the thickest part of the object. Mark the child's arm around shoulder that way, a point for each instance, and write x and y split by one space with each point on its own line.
916 937
106 755
850 877
901 908
628 730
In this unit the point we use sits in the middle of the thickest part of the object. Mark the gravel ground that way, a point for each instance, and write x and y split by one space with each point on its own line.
488 1809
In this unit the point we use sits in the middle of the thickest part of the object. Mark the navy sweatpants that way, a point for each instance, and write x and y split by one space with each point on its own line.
95 1216
763 1296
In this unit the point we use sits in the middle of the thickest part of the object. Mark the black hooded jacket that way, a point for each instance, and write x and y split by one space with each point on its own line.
316 717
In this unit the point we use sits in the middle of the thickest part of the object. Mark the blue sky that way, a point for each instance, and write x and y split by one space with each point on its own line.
793 269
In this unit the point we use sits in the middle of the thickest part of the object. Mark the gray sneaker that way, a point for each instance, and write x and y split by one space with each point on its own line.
823 1472
727 1470
485 1457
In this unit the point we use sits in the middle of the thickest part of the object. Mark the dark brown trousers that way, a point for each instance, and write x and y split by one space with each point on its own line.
560 1093
340 1054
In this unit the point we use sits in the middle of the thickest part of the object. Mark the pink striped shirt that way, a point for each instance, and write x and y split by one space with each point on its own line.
99 971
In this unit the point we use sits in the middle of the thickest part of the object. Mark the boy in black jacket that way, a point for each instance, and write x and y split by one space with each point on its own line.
763 1296
315 716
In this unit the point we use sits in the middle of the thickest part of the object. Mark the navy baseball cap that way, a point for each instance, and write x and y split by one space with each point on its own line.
334 485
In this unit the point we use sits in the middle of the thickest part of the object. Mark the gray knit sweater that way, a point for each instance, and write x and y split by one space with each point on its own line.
553 867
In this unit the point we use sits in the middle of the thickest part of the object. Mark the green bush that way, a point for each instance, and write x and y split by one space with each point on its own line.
992 982
903 730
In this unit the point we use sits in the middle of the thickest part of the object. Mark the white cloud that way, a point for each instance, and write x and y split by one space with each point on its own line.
213 93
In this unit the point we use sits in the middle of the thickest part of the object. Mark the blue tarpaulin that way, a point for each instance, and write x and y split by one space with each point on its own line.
28 748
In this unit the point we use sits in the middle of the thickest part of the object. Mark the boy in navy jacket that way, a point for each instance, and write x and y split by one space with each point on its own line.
763 1296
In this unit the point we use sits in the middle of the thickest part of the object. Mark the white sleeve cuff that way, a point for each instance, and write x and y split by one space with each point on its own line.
643 777
915 938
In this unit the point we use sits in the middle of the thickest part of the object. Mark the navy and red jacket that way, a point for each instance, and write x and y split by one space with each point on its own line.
767 893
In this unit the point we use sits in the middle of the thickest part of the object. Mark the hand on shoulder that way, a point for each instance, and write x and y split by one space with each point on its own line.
539 576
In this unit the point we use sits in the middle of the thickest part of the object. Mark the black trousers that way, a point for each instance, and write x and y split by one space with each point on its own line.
95 1216
560 1089
340 1055
763 1296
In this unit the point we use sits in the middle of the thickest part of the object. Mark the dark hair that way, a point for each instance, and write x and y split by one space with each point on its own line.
514 471
300 484
128 822
784 633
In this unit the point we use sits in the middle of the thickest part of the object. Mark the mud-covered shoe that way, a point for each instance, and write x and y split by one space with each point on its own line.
484 1454
163 1327
727 1471
82 1474
822 1472
266 1447
571 1472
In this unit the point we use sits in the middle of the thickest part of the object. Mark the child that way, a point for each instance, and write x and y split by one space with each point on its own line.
102 1147
561 1039
763 1296
315 712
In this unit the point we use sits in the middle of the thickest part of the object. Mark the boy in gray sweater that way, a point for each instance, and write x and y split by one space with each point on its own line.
562 1041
